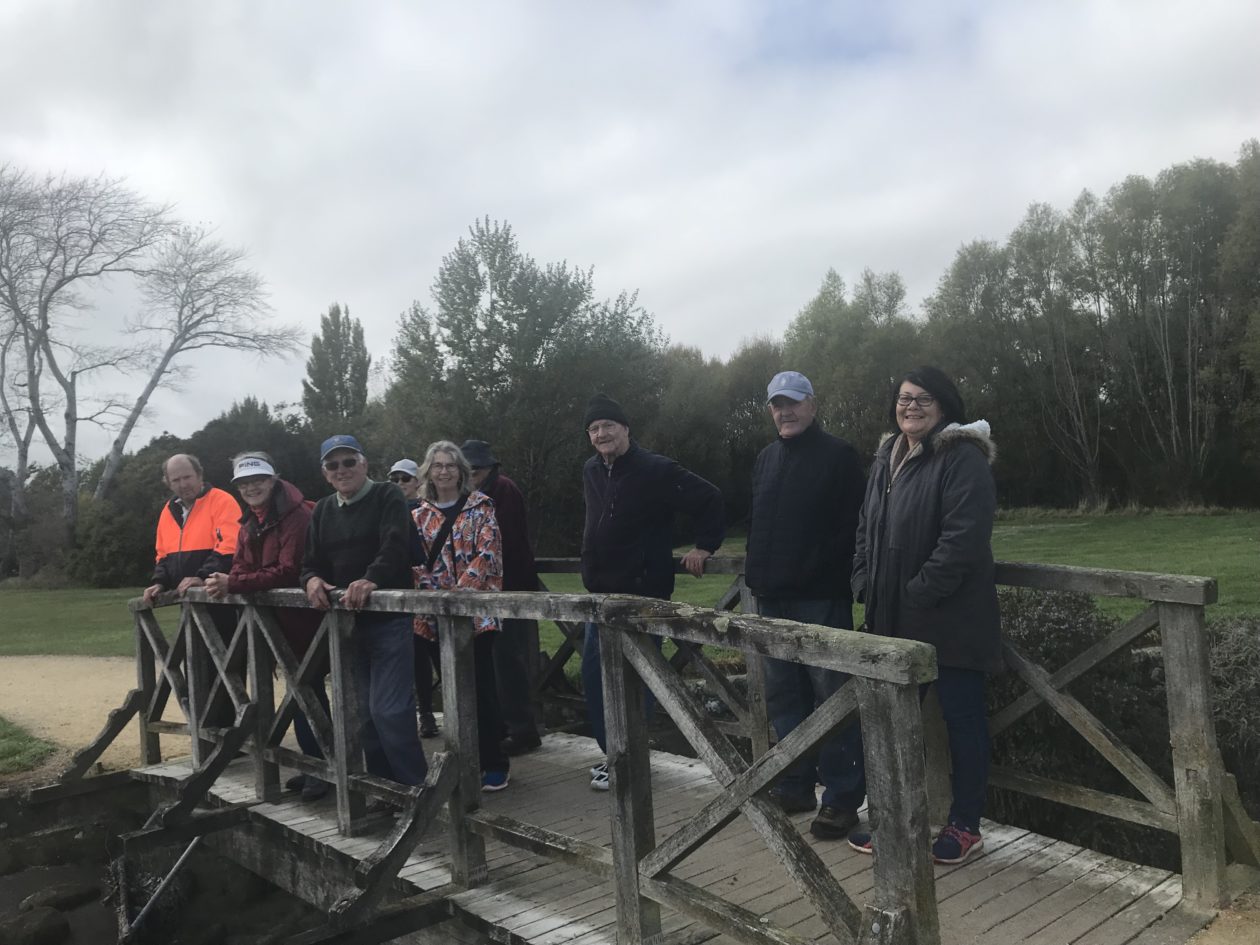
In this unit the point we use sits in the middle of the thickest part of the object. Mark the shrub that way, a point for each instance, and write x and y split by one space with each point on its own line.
1127 693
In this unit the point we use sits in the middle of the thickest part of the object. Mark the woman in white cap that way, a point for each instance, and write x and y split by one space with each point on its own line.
269 556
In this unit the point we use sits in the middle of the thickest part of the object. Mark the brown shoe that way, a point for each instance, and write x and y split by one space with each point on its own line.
832 823
520 743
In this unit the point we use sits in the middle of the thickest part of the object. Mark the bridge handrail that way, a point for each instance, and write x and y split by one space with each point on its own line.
1102 582
886 676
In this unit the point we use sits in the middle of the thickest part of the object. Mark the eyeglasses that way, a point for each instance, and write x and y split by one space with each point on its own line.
923 400
595 429
443 467
346 462
400 477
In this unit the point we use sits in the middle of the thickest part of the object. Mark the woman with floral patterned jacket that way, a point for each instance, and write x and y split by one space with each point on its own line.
463 551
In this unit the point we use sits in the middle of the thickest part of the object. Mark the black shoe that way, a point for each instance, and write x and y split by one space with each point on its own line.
314 789
520 743
832 823
295 783
794 803
428 725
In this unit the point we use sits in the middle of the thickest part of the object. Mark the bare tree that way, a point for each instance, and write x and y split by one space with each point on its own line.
58 236
198 294
60 239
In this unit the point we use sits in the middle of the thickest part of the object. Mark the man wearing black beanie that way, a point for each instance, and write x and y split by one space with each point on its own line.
631 497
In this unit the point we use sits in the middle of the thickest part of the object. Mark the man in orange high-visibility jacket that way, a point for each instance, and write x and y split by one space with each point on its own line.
196 532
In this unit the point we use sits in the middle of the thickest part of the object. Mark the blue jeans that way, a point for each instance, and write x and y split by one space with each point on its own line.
794 690
302 728
383 663
962 696
593 686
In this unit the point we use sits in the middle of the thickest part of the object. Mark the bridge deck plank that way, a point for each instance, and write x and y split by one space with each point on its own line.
1024 888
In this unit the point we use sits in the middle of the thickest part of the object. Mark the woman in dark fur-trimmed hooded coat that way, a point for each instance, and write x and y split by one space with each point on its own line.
923 567
924 564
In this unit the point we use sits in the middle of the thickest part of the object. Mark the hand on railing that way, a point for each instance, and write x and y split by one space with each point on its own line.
217 584
317 593
694 560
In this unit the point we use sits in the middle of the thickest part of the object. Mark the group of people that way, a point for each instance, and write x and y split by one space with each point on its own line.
910 542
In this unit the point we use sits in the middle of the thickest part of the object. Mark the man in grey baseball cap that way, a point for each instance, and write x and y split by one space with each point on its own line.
807 488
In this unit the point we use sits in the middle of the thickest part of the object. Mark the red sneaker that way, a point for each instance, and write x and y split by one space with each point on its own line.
955 844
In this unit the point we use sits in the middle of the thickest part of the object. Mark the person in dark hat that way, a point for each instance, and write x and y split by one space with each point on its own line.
512 652
359 539
632 496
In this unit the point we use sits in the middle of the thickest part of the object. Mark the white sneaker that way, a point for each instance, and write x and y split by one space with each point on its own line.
601 768
599 778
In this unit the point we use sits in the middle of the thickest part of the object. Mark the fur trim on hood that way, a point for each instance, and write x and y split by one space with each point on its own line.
977 432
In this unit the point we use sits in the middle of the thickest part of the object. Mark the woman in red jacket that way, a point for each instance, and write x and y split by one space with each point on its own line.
269 556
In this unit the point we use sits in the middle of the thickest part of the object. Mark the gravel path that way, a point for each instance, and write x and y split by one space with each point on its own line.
65 699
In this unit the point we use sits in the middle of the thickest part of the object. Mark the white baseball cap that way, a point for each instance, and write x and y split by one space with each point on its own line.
248 466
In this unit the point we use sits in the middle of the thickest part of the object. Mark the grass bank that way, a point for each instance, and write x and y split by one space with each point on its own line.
20 751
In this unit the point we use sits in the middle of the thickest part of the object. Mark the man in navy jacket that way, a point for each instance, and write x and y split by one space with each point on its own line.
807 488
632 495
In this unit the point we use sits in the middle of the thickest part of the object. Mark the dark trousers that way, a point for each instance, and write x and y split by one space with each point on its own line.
511 667
489 720
384 655
302 727
427 660
962 696
794 690
593 686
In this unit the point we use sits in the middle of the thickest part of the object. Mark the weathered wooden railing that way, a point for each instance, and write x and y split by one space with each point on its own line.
749 710
208 675
1202 807
205 673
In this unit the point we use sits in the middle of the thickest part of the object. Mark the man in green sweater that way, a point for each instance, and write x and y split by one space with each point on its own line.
358 540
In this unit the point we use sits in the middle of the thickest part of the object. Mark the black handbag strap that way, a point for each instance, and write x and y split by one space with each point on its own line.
444 533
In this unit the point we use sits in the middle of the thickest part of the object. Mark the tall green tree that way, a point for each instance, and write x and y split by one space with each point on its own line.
851 350
510 352
335 391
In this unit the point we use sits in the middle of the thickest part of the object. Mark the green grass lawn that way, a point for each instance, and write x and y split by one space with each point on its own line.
69 622
1225 546
20 751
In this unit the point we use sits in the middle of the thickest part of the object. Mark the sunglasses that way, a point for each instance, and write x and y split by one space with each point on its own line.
401 477
348 462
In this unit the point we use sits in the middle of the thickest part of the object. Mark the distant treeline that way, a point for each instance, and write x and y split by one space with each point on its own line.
1113 345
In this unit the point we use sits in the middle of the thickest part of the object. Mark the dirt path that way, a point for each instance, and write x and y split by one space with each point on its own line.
65 699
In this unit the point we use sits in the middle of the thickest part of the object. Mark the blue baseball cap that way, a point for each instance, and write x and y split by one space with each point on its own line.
342 441
791 384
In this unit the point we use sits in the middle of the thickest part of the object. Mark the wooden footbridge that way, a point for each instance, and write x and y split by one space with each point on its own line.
683 850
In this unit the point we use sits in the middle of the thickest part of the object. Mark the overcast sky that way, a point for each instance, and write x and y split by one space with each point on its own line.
717 155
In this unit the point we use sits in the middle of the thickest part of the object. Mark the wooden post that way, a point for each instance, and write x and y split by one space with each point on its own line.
459 727
262 693
1197 765
146 682
630 779
755 679
347 744
902 907
200 679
